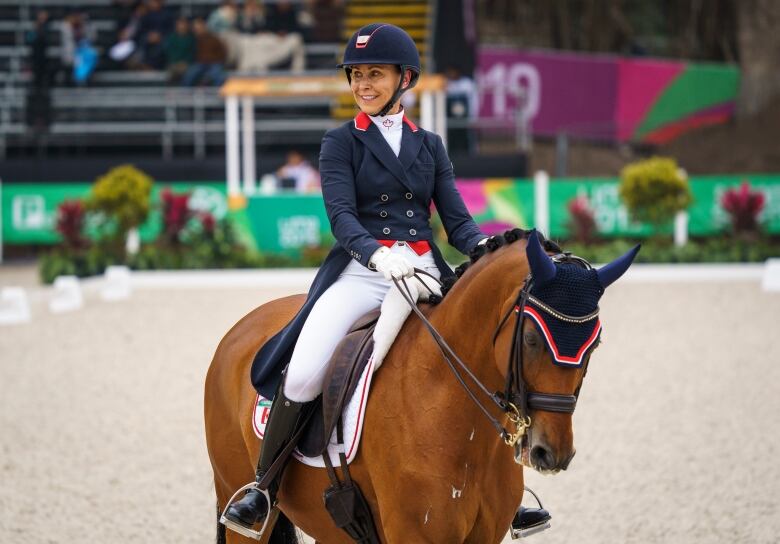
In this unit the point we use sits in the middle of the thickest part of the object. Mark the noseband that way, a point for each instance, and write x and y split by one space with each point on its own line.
515 401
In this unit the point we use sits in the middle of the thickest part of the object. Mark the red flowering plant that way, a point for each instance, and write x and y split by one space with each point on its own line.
743 206
176 213
70 224
582 221
207 222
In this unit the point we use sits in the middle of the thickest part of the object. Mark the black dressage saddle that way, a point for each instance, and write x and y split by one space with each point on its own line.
344 371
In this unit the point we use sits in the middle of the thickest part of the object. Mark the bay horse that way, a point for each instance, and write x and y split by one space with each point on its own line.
432 466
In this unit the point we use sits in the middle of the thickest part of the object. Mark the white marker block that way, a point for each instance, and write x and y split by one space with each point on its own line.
771 280
117 283
14 306
67 295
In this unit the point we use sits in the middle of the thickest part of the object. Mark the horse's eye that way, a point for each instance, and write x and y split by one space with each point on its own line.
531 339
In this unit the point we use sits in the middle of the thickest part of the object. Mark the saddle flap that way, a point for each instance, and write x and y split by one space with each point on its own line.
345 368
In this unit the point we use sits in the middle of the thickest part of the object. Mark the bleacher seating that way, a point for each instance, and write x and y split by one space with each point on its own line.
132 108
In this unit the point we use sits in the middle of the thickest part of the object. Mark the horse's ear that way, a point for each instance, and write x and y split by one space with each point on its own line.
610 272
542 267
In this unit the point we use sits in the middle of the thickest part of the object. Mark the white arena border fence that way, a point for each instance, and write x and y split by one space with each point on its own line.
66 295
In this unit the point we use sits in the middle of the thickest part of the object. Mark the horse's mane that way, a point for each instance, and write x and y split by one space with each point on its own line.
494 243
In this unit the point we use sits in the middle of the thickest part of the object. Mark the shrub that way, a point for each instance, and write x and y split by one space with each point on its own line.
743 207
122 199
654 190
582 222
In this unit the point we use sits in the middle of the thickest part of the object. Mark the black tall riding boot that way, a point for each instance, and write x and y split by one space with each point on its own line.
529 521
283 421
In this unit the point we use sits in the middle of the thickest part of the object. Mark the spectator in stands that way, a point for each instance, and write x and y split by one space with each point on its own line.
462 105
252 18
279 42
283 17
154 27
125 53
297 173
223 19
156 19
210 55
222 22
77 56
38 40
153 53
326 16
39 99
179 50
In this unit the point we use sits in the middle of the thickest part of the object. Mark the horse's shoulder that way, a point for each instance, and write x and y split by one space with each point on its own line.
256 327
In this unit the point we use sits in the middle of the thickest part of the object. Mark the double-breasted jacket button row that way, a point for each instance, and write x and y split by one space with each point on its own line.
384 197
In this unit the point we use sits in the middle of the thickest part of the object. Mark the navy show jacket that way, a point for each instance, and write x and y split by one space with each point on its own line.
370 194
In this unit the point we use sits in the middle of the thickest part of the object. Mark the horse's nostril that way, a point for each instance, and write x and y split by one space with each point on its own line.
542 457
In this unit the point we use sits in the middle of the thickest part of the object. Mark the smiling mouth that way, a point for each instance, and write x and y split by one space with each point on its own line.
368 98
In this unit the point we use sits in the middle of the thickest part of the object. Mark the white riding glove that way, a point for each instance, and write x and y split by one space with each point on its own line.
390 265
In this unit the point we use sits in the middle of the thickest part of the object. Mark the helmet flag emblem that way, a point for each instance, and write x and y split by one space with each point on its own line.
362 41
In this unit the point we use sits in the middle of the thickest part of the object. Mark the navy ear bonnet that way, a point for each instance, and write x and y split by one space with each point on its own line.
565 312
383 43
563 300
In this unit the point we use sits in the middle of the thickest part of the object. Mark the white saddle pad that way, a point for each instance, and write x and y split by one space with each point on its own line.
353 423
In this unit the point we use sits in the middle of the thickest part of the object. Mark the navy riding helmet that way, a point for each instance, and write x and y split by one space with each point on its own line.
383 43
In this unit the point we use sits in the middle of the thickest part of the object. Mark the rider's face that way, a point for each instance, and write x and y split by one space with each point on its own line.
374 84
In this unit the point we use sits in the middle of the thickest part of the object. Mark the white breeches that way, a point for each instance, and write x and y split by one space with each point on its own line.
356 292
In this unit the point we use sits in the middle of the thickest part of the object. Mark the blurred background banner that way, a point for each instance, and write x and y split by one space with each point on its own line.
287 222
29 210
604 97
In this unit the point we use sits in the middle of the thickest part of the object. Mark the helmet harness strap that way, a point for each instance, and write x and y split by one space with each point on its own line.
396 95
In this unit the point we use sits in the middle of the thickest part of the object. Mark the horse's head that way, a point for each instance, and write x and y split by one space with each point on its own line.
545 355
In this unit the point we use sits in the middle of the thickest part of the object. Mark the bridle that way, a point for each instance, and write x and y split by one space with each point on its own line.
516 400
516 390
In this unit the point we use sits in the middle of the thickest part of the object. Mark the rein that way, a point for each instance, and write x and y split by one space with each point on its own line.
514 415
516 400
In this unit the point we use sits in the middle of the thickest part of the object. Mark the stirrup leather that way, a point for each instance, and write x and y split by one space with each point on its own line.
270 519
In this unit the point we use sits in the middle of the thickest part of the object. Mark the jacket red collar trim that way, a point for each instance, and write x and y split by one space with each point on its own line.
363 121
410 124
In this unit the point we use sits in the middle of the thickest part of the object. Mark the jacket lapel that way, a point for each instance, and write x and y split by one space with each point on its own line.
363 128
411 141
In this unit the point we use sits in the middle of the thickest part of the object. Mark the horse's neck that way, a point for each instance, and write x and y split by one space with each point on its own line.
437 405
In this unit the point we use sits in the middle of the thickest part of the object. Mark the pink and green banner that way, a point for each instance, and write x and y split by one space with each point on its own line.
287 222
603 96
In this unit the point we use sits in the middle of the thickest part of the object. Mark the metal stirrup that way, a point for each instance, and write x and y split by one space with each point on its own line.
273 513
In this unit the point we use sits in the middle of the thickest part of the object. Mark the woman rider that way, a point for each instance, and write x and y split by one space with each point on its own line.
379 174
